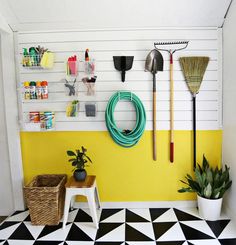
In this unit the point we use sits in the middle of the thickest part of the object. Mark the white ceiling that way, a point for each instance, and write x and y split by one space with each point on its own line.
92 14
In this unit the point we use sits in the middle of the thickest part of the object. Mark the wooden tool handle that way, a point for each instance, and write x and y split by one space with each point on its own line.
171 110
194 132
154 127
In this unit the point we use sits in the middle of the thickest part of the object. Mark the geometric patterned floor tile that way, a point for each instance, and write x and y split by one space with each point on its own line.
108 243
106 228
200 225
140 243
161 228
34 230
183 216
205 242
227 241
157 212
194 234
20 242
71 216
168 216
172 243
132 234
175 233
82 216
78 243
49 229
76 234
6 233
113 216
116 235
120 226
56 235
27 218
8 224
228 232
144 228
88 228
21 233
143 213
192 211
48 242
106 213
19 216
131 216
218 226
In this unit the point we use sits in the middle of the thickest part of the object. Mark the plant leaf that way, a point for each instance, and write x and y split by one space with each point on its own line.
188 189
89 159
72 159
74 163
205 163
83 149
208 191
70 153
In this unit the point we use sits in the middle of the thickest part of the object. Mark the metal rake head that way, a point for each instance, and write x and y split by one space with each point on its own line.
170 46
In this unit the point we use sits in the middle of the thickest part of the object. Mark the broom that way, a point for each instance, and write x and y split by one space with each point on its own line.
194 69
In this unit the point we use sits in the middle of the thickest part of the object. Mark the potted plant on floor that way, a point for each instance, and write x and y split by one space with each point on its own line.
79 161
210 184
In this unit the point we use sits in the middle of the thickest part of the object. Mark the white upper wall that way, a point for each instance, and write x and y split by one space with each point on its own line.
26 15
229 92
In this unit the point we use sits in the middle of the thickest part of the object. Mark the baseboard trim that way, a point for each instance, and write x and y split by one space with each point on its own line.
160 204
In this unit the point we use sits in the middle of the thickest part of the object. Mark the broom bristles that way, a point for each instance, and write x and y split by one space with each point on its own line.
194 69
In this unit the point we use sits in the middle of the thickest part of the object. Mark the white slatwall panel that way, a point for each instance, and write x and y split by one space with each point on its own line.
105 44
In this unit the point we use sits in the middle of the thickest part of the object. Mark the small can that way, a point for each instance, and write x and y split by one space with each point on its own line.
42 120
32 90
26 90
44 87
49 120
38 90
34 117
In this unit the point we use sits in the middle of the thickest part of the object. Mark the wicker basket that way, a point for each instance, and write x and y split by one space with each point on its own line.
45 197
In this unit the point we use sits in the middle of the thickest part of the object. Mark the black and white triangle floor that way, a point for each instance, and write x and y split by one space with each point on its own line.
155 226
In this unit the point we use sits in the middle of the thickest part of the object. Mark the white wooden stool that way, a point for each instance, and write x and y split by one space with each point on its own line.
86 188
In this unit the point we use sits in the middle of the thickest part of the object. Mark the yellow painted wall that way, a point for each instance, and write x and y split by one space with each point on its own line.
122 174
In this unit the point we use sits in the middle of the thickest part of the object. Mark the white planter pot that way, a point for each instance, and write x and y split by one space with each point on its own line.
209 209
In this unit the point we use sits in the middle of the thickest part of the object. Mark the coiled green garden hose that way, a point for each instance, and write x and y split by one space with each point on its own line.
125 138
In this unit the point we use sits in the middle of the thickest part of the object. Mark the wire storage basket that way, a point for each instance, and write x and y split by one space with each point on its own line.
45 197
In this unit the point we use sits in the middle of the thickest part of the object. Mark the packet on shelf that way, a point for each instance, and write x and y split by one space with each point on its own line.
47 60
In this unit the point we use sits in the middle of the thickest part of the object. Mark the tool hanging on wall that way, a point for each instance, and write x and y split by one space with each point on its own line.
125 138
154 63
194 69
90 84
123 64
89 64
171 48
70 87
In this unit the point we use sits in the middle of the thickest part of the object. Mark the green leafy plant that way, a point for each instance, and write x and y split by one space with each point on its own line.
208 182
79 158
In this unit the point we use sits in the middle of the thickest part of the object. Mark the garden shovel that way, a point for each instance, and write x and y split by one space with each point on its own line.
154 63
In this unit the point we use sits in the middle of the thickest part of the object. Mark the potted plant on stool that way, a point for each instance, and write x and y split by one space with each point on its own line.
210 185
79 160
